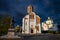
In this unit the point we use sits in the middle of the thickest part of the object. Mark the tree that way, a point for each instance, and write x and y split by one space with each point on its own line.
4 24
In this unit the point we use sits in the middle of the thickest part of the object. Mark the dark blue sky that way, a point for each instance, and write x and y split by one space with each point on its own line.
43 8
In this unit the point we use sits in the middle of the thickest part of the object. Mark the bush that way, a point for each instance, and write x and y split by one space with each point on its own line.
53 32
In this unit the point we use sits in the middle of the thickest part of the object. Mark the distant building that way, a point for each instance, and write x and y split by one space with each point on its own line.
49 25
17 28
31 22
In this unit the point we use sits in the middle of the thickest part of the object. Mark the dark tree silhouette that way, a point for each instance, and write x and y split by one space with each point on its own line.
5 22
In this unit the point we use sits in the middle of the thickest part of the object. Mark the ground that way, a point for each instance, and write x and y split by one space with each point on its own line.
37 37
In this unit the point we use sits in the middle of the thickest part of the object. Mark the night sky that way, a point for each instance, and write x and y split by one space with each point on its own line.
43 8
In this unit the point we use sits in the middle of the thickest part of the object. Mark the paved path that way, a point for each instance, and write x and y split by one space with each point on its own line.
42 37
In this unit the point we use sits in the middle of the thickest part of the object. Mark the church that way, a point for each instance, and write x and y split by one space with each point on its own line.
49 25
31 22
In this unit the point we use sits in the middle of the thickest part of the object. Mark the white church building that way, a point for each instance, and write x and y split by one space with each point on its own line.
49 25
31 22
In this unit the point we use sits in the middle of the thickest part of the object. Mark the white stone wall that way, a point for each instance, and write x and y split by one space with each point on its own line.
26 26
39 28
23 25
30 23
44 27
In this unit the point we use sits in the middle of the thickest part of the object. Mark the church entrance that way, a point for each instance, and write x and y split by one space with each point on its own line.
31 30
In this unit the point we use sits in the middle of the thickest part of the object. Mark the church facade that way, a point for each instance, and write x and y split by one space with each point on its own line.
31 22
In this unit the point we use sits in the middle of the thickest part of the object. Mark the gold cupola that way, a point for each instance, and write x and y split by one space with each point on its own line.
29 9
37 19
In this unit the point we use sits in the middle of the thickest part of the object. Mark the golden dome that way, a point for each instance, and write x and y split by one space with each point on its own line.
29 9
29 6
49 19
37 19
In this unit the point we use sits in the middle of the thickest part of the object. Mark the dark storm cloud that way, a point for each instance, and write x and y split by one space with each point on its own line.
43 8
